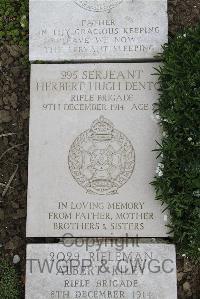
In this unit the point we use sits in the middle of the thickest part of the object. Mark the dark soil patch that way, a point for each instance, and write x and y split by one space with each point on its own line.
182 14
14 119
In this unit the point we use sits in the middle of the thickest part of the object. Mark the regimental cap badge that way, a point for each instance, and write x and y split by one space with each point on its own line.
101 159
98 5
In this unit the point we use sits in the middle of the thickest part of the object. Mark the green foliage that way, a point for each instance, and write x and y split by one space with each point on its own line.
9 281
14 21
177 182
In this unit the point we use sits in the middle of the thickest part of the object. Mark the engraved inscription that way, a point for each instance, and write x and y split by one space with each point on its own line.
97 29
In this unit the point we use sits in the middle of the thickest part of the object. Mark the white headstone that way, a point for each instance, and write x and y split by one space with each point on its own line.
92 132
101 269
97 29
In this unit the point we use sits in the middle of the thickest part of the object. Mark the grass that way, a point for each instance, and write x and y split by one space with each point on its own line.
14 22
177 182
9 281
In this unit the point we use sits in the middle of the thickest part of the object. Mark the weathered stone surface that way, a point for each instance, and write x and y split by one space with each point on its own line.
16 259
101 269
92 132
97 30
